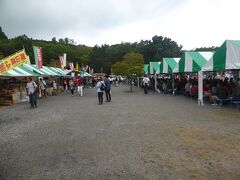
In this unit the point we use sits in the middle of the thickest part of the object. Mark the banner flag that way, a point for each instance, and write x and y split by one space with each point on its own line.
61 59
64 59
28 60
13 61
76 67
38 56
71 66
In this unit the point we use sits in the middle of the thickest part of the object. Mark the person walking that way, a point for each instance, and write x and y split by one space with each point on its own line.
31 91
54 84
98 87
65 86
107 88
146 81
43 86
79 83
71 86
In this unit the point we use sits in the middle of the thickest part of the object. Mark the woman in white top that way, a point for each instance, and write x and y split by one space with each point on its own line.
100 83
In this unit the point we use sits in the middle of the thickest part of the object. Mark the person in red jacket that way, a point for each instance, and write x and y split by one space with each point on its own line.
79 83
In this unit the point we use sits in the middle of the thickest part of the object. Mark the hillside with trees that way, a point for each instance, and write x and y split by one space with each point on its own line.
100 58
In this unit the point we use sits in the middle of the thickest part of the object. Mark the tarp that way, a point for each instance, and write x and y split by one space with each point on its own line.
192 61
146 69
168 64
154 67
226 57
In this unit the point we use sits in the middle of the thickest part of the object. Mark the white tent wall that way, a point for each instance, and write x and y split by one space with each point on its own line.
207 55
177 60
176 69
232 56
165 66
150 68
209 65
188 64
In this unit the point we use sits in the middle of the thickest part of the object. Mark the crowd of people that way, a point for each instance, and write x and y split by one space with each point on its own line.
39 89
214 90
72 85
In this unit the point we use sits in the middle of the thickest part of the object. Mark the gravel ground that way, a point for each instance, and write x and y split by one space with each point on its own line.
134 137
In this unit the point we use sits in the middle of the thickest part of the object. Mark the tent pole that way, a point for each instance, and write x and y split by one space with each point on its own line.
200 88
138 81
173 81
155 78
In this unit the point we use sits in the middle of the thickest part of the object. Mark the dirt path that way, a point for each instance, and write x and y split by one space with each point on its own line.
136 136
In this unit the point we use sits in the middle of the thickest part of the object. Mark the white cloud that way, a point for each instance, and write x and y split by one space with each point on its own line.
203 23
192 23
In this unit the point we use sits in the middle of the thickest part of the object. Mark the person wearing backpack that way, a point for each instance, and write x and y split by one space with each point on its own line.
107 88
31 91
100 89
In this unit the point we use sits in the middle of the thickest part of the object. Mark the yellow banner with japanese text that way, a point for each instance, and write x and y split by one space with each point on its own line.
13 61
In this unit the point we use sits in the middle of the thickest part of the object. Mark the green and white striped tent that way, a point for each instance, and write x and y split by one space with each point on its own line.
21 71
47 71
35 69
226 57
192 61
27 70
154 67
61 71
146 69
168 64
84 74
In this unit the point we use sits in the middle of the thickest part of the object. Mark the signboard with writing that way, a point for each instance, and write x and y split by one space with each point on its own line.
13 61
38 56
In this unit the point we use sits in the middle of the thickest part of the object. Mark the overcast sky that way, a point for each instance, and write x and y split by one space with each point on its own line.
191 23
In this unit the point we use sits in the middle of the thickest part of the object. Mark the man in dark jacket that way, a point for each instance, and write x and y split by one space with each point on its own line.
107 88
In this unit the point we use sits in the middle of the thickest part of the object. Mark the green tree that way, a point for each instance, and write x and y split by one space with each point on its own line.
2 34
213 48
131 66
54 40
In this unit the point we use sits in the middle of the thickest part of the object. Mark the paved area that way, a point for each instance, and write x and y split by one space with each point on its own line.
134 137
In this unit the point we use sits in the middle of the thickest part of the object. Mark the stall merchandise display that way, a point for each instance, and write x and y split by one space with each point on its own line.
11 93
9 96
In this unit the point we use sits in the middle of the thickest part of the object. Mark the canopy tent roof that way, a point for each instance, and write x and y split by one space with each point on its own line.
168 64
192 61
62 71
21 71
80 73
27 70
48 71
154 67
146 69
226 57
35 69
84 74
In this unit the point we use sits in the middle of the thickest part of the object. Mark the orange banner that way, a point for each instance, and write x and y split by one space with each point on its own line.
13 61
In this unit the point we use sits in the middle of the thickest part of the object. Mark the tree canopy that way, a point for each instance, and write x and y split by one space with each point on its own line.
131 66
100 58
